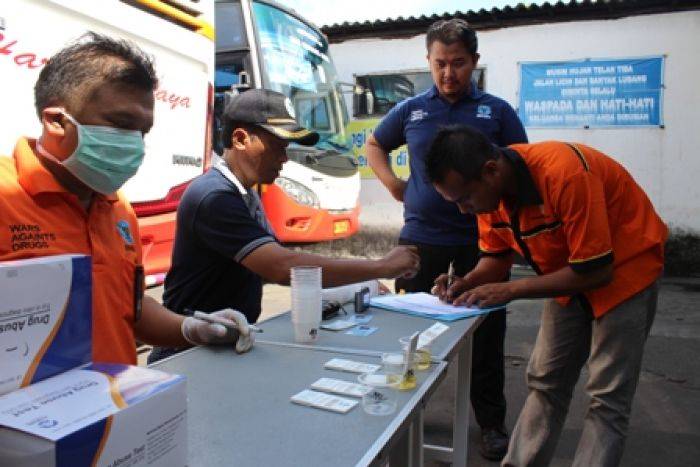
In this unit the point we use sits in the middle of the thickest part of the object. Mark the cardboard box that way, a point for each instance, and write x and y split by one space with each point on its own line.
104 415
45 318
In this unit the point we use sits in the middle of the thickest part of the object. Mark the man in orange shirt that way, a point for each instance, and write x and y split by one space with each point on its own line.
593 237
58 194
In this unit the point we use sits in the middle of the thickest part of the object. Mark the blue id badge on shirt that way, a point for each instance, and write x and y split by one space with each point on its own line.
362 330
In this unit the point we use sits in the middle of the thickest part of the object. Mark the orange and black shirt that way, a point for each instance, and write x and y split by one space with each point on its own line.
39 217
577 207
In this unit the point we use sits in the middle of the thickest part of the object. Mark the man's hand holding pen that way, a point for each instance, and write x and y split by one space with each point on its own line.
448 286
445 292
464 292
222 327
450 274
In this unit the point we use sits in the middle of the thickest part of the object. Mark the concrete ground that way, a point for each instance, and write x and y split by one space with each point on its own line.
665 424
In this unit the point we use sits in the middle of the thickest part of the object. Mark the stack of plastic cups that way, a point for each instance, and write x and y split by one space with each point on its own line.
306 303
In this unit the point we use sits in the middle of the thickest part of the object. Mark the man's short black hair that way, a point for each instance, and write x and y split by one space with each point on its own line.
460 148
449 31
72 74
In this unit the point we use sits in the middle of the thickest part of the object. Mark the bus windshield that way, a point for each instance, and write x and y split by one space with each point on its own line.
296 62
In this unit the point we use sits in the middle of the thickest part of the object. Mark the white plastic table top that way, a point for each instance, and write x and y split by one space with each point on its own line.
391 326
239 412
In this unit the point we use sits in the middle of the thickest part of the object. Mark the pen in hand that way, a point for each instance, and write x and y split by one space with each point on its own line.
451 274
450 281
224 322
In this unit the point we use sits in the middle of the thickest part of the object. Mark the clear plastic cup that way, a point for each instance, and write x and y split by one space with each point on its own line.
381 399
306 302
393 362
423 356
305 332
306 275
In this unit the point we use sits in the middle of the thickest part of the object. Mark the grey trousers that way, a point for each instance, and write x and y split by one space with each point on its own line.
612 346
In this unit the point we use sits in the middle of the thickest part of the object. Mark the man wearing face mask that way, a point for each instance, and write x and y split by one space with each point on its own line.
441 233
95 103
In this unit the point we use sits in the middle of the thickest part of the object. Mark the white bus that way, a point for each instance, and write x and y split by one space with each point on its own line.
180 35
261 44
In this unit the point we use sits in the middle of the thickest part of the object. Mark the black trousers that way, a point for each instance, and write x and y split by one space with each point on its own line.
488 373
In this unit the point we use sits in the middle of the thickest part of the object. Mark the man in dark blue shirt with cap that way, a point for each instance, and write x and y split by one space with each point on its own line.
442 234
224 246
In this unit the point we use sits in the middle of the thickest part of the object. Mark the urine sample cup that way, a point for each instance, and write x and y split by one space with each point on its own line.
422 357
381 399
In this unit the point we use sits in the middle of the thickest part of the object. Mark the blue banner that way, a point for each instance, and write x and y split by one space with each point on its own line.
591 93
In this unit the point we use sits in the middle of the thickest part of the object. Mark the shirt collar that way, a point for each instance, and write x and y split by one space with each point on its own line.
222 167
527 191
34 177
473 94
251 199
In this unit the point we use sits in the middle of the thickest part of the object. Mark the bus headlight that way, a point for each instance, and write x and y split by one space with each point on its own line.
298 192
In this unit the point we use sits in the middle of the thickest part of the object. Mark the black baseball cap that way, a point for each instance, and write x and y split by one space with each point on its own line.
270 110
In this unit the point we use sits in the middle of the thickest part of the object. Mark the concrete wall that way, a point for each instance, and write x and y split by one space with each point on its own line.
664 161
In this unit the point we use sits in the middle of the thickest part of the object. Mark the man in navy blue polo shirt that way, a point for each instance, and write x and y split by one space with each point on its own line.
224 246
442 234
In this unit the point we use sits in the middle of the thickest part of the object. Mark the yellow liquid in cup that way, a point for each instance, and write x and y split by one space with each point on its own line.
423 359
408 382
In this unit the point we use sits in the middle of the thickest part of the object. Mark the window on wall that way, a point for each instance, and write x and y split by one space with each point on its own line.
376 94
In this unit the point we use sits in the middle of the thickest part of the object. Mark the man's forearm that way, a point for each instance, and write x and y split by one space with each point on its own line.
489 269
336 271
563 282
378 160
159 326
273 262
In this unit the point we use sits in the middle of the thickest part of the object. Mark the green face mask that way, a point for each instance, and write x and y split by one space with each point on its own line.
105 157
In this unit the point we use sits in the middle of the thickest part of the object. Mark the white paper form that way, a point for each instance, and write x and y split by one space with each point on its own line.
427 305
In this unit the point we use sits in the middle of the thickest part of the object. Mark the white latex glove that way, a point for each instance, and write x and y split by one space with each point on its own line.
198 332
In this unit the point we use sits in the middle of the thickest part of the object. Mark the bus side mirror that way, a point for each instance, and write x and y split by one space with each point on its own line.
243 80
242 85
369 98
363 100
